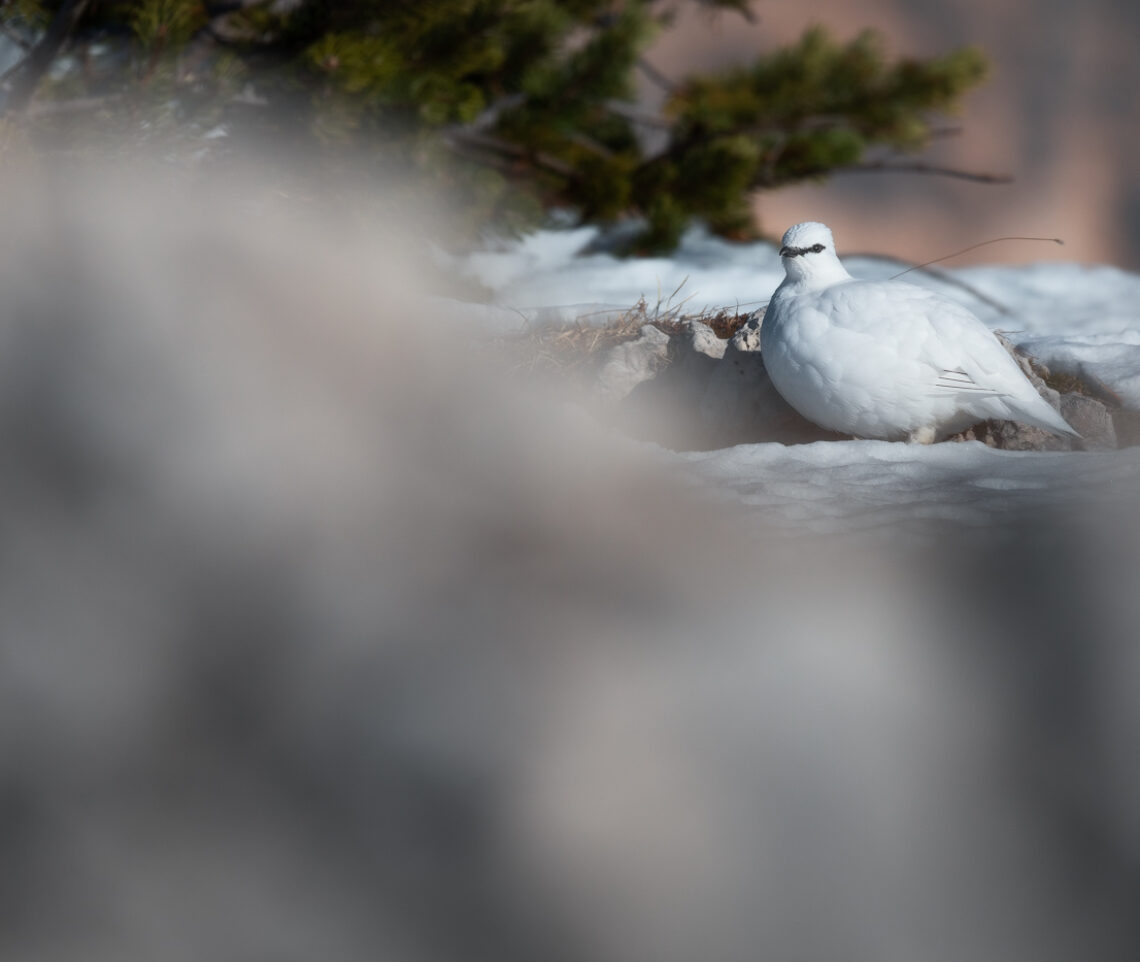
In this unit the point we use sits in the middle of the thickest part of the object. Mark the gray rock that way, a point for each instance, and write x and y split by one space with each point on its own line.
1126 427
664 406
693 356
633 363
741 404
702 340
1091 419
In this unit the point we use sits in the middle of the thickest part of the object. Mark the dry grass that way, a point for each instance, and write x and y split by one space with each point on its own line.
575 349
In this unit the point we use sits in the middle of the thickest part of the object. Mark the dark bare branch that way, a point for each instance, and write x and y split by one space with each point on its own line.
885 167
656 75
22 42
37 63
468 141
10 71
643 117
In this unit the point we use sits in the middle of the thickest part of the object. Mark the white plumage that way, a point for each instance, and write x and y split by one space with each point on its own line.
886 359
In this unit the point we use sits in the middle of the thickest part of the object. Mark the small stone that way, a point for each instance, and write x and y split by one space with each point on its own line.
703 340
633 363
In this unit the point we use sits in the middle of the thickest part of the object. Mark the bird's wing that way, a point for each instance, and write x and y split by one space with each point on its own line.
955 353
961 382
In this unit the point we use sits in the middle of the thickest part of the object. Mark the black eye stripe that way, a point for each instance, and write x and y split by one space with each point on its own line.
797 251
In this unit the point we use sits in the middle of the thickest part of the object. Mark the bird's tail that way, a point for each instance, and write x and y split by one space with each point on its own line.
1040 414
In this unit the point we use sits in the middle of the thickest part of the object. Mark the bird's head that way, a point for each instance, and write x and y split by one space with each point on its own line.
808 255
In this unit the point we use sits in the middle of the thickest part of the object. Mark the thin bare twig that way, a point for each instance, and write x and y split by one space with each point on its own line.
941 275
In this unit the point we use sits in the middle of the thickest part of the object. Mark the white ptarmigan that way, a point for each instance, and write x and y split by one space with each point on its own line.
886 359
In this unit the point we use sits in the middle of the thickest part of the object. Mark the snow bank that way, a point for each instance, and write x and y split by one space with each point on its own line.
861 485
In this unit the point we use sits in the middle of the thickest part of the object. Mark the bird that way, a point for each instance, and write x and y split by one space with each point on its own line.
885 359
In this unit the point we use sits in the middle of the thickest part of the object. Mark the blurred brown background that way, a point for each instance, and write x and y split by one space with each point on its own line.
1057 113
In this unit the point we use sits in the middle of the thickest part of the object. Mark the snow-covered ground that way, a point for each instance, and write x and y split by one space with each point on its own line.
1081 319
878 485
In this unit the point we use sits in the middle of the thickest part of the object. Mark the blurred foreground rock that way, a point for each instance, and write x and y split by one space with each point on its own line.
313 653
693 390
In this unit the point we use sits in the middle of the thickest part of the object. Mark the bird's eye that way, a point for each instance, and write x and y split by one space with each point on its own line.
817 248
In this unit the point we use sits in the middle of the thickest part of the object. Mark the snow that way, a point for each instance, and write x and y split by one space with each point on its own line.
547 268
861 485
1081 319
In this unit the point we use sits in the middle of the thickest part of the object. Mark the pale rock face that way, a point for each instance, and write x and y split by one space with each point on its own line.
632 363
886 359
